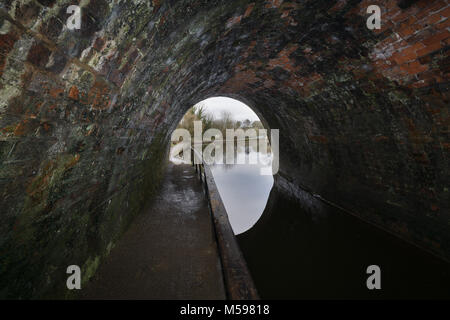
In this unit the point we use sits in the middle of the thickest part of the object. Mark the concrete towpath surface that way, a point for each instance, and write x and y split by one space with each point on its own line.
168 252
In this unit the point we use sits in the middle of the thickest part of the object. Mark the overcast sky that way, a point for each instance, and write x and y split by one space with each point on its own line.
238 110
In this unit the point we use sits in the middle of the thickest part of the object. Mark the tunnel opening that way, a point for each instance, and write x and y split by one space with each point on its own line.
235 127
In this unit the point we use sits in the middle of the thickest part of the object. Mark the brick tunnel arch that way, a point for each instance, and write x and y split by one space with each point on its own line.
363 115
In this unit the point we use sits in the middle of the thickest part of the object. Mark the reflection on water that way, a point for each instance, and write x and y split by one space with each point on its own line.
303 250
244 191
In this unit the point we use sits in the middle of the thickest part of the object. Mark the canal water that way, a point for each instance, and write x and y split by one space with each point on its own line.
319 252
294 252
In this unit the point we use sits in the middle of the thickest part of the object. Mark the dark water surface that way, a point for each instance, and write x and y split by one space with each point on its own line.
298 252
310 250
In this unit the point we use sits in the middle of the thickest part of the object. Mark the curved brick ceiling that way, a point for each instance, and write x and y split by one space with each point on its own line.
85 115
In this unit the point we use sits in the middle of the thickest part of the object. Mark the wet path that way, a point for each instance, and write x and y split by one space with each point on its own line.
169 251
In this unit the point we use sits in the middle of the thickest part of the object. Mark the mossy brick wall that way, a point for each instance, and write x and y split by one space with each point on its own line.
86 115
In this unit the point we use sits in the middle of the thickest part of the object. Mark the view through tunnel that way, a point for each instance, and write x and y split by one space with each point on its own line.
243 189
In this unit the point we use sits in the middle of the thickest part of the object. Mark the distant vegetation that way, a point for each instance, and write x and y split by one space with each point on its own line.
225 121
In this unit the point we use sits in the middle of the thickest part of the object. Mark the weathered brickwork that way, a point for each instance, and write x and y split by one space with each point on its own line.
86 115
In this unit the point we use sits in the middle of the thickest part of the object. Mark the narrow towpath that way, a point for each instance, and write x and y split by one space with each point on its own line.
169 251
